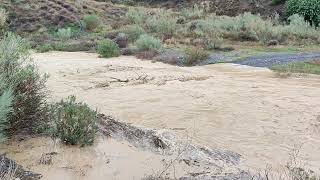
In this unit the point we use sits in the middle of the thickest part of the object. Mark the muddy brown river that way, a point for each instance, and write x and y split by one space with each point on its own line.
250 111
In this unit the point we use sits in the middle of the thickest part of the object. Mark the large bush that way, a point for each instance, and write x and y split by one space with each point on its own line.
22 88
108 48
147 42
91 22
74 122
309 9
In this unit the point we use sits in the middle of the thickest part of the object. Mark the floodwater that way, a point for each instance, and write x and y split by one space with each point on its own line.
250 111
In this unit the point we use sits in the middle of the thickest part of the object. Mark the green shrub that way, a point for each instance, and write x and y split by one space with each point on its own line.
74 122
309 9
147 42
108 48
162 22
194 56
20 74
44 48
91 22
211 35
134 32
193 13
136 16
64 34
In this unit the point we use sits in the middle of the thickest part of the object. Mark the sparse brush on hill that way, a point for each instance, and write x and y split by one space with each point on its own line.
64 34
91 22
192 13
163 23
74 122
147 42
22 88
136 16
133 32
3 19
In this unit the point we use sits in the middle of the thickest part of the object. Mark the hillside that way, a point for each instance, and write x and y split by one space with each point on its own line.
222 7
32 15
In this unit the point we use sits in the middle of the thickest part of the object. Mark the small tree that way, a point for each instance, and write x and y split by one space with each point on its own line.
309 9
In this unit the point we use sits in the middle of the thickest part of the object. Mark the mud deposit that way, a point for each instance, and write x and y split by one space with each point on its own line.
245 110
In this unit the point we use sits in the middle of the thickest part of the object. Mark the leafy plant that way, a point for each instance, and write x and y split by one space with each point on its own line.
74 122
108 48
194 56
147 42
91 22
21 77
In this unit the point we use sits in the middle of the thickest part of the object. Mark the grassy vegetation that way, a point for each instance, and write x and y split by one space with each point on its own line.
300 67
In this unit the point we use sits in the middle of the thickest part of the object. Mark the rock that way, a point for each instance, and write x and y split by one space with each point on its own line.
8 166
273 43
181 21
173 57
128 51
146 54
121 40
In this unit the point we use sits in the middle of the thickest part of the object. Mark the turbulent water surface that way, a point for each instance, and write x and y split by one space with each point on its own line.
247 110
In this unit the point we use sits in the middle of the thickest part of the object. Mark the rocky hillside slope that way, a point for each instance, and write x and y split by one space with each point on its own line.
32 15
35 15
223 7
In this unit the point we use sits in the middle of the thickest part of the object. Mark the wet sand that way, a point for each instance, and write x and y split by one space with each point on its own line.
247 110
